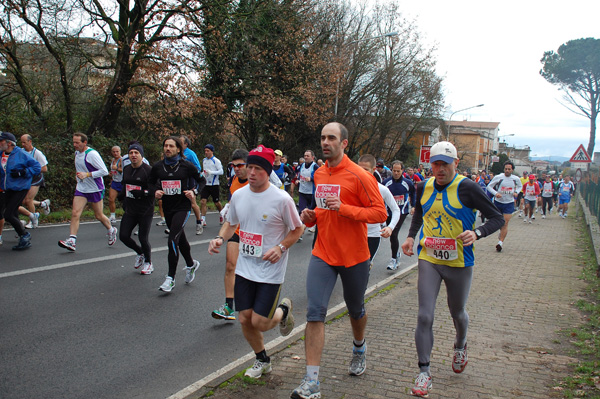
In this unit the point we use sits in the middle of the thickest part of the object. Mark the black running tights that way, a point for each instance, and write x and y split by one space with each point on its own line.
177 240
128 223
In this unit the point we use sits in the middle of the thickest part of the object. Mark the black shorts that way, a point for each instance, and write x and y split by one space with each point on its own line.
234 238
2 204
38 181
262 298
210 191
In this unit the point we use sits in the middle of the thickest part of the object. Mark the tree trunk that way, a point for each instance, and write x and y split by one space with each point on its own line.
108 115
592 143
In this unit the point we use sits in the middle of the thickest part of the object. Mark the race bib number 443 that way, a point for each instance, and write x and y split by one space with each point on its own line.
171 187
326 190
441 248
251 244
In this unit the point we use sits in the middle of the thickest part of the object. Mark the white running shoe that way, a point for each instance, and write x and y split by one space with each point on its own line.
112 220
258 369
393 265
29 225
525 220
161 223
543 216
203 222
45 205
35 219
148 268
69 244
168 285
112 235
422 385
139 261
199 229
190 272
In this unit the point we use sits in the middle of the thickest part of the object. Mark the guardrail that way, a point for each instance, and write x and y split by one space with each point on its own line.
590 192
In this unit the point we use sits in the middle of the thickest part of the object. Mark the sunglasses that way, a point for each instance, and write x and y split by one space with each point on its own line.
238 165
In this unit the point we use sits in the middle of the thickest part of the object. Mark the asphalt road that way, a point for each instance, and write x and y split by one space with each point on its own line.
87 324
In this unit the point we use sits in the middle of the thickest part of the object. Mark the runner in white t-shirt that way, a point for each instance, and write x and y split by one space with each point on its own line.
505 188
29 203
269 225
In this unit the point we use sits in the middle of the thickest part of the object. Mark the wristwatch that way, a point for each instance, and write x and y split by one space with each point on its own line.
477 233
283 248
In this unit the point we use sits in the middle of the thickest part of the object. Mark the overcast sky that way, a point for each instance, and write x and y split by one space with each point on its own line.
489 52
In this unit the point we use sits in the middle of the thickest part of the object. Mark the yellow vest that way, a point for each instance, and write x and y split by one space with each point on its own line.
444 218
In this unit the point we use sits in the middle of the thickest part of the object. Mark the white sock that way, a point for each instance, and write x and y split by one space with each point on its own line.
500 243
312 372
112 215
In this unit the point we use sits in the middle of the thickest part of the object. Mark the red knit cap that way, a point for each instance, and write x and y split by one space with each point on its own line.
263 157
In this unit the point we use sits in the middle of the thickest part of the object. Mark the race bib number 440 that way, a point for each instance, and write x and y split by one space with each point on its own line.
441 248
251 244
326 190
171 187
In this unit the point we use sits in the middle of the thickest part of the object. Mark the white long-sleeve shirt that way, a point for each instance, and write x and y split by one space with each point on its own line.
373 229
508 186
212 170
90 161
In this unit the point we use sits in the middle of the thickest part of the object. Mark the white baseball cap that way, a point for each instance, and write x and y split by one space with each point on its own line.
443 151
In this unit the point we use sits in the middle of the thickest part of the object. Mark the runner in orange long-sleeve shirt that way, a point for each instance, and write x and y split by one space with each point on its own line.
347 198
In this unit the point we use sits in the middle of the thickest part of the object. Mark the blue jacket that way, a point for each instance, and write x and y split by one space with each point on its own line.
19 160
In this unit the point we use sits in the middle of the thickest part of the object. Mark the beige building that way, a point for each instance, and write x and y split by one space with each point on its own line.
475 142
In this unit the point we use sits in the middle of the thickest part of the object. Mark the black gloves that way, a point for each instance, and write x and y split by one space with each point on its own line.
16 173
137 193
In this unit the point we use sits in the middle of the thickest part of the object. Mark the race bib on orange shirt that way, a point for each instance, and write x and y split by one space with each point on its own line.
326 190
129 188
251 244
441 248
171 187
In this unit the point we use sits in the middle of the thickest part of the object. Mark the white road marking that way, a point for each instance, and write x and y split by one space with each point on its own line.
85 261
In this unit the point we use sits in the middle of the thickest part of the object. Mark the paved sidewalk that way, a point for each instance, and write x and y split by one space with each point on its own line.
519 301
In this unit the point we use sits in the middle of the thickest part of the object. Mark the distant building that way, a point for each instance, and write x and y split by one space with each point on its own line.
519 155
474 141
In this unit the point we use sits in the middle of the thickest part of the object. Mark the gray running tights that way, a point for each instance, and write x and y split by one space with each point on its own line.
458 285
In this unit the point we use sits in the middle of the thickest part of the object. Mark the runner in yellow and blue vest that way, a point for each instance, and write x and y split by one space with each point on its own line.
444 218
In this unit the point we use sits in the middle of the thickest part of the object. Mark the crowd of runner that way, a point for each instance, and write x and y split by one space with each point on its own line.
260 221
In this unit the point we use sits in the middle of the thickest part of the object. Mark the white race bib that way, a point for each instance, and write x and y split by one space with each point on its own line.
171 187
251 244
399 200
326 190
129 188
506 190
441 248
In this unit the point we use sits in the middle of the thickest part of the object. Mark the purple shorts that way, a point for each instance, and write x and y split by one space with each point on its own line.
91 197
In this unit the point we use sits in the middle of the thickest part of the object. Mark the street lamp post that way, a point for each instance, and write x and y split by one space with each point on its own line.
337 89
455 112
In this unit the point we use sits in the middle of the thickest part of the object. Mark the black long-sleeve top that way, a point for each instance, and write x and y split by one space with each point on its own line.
174 180
137 194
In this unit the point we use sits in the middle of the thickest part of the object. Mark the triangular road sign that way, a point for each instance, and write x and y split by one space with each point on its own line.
580 155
